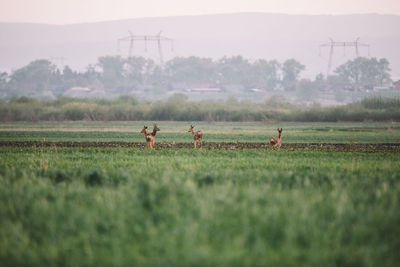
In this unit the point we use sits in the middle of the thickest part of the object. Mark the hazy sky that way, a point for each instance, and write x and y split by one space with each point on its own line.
75 11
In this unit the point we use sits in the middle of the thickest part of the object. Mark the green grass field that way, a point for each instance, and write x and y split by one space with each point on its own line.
185 207
213 132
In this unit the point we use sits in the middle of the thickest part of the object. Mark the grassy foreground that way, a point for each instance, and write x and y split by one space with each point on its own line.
132 207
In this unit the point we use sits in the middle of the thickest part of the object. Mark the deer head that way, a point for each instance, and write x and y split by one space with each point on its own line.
144 129
280 131
191 129
155 128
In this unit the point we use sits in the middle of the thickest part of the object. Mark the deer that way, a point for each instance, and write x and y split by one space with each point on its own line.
197 136
153 134
149 138
276 142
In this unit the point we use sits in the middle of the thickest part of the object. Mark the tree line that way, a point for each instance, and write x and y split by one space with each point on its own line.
178 108
117 75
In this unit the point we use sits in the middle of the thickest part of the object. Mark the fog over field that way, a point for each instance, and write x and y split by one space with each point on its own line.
252 35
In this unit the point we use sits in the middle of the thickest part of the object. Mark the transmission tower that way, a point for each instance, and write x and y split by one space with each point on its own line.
333 44
146 38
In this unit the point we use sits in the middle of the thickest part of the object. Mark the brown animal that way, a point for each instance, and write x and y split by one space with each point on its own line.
276 142
149 138
155 130
197 136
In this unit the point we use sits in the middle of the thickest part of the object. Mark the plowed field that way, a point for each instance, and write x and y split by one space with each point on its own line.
351 147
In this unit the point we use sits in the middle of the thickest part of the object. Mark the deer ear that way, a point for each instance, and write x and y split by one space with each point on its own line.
281 129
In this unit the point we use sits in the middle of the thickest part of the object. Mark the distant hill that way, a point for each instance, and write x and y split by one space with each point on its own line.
252 35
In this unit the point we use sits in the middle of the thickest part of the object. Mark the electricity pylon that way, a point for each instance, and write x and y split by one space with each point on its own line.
333 44
146 38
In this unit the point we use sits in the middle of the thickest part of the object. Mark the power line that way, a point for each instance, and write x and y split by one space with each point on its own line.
131 38
356 44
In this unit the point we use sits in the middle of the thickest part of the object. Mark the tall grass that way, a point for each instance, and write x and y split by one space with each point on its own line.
381 103
228 208
178 109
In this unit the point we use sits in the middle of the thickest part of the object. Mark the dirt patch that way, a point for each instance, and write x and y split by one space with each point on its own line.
352 147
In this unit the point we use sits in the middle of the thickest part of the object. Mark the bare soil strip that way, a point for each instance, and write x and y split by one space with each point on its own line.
350 147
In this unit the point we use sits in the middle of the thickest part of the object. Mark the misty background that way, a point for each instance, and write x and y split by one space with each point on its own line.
251 35
210 43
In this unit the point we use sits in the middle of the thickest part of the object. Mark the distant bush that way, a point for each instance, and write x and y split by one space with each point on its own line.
178 108
381 103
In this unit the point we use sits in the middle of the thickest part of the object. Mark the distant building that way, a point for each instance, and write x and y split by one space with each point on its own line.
255 90
84 92
203 88
233 88
77 92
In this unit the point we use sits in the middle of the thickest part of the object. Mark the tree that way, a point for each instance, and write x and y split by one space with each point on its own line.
3 83
335 83
365 73
112 71
3 77
66 80
155 76
235 70
33 79
134 69
265 73
319 77
290 71
191 70
307 90
383 72
91 75
68 74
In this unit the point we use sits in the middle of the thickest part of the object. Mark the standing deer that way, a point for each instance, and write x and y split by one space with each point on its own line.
197 136
153 134
149 138
276 142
